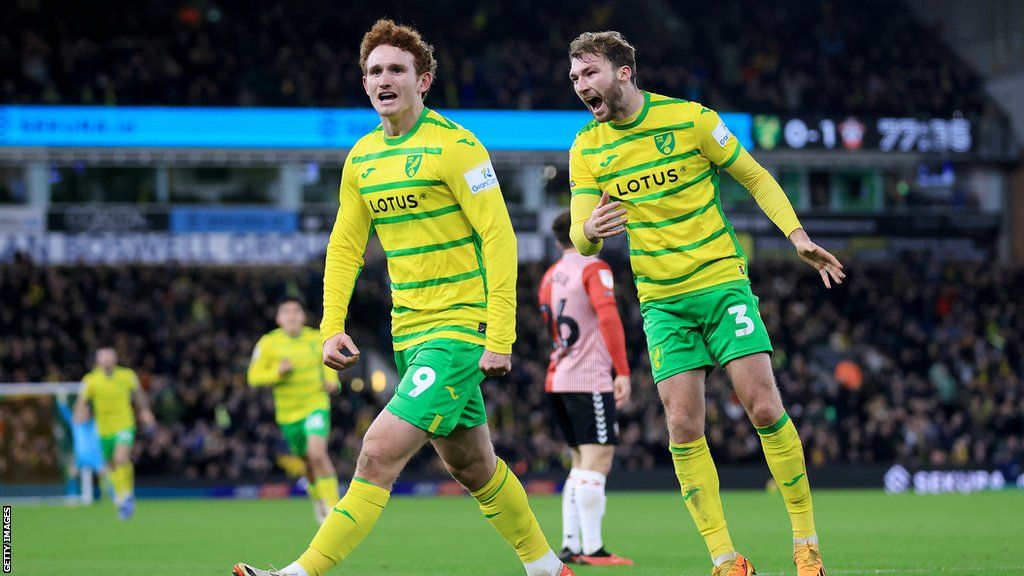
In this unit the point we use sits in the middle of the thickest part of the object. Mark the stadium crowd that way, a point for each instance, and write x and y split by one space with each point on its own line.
918 364
491 54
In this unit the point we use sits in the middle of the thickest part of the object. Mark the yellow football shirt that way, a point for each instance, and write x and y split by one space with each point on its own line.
301 391
434 201
663 165
111 398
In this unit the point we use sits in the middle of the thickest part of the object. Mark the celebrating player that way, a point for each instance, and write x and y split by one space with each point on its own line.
111 389
289 360
577 298
427 187
659 158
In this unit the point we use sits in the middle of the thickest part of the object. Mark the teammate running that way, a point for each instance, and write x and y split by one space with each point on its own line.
111 389
289 360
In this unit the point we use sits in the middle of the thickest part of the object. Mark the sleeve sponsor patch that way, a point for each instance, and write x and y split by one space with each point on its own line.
606 278
481 178
721 134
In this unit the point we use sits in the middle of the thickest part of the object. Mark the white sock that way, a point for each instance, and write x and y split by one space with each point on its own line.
724 558
547 565
590 501
294 569
570 515
809 540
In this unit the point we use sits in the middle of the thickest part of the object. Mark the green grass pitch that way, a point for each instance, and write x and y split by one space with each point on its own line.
862 533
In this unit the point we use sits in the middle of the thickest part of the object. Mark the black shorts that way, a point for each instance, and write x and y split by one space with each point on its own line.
586 417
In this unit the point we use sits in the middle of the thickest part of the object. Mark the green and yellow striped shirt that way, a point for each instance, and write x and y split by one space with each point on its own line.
301 391
433 199
663 165
111 397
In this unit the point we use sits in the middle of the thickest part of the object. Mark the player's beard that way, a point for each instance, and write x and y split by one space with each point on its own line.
615 101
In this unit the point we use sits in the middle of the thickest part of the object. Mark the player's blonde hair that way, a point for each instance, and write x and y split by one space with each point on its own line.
386 33
610 44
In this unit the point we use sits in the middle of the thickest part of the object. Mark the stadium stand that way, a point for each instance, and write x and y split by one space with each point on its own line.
262 53
925 373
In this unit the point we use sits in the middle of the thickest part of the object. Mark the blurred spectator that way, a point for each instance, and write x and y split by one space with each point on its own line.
836 57
923 368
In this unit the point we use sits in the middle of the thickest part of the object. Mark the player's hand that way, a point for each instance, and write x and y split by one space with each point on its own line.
820 259
494 364
623 389
340 352
148 421
608 219
331 387
81 414
284 367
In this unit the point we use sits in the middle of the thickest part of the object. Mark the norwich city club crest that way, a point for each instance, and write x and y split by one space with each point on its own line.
767 130
656 357
412 164
665 142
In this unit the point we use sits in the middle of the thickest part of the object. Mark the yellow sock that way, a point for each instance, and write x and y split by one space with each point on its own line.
503 503
129 478
122 479
114 477
313 491
349 522
785 455
698 483
327 490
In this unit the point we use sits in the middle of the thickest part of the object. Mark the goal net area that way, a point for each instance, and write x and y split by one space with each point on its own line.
44 455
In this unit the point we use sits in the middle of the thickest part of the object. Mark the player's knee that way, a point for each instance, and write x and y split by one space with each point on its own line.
318 460
374 464
601 465
121 457
685 424
765 408
598 460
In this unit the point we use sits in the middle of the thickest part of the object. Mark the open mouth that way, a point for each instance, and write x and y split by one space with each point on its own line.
386 97
595 104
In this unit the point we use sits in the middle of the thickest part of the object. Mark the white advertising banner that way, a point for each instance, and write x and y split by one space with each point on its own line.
15 220
206 248
162 248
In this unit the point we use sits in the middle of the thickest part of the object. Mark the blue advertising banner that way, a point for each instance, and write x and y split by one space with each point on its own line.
312 128
233 220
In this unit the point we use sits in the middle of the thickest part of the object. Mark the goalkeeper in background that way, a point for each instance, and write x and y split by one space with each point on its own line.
289 360
111 389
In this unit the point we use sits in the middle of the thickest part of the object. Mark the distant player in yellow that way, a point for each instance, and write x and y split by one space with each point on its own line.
111 389
290 361
648 165
427 187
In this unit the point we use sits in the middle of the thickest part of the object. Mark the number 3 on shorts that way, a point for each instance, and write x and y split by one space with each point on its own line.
422 379
739 311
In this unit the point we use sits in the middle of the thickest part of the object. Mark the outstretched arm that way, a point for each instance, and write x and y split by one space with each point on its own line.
723 149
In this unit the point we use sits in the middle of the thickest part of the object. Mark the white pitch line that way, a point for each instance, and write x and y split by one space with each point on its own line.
879 571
